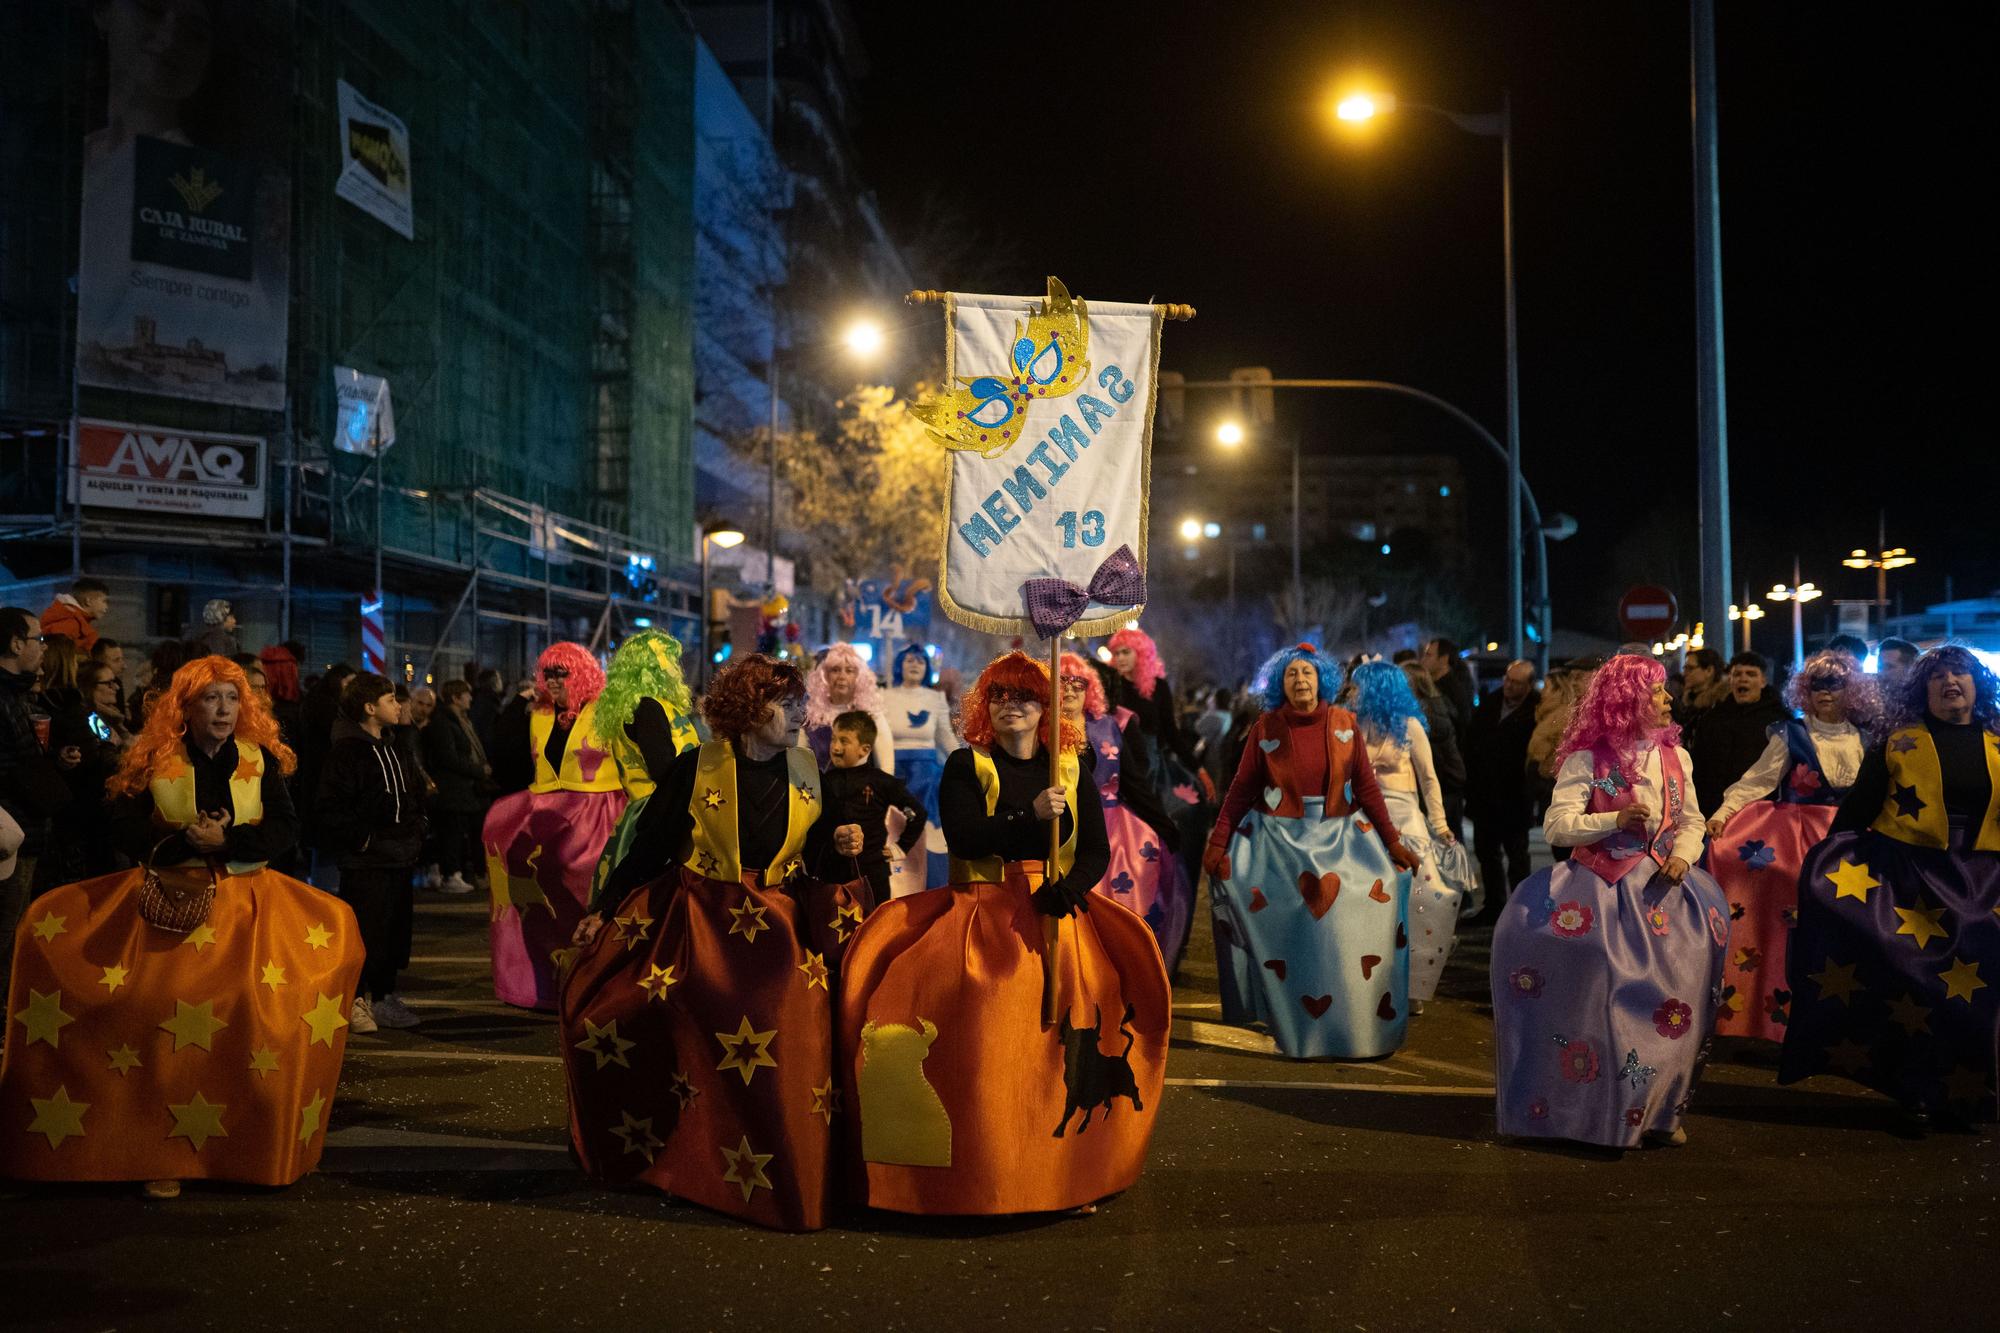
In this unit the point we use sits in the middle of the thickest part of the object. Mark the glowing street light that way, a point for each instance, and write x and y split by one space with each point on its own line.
1190 529
864 338
1357 107
724 534
1798 594
1746 614
1229 433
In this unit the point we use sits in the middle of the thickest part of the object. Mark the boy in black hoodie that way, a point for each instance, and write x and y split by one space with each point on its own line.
370 816
854 791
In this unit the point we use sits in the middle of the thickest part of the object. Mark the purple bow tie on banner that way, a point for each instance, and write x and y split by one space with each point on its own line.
1056 604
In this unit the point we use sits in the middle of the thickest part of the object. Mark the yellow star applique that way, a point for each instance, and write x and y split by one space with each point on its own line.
324 1018
846 918
246 770
638 1135
746 1168
713 798
198 1121
1849 1057
746 1051
124 1058
1961 979
814 968
50 926
1921 922
310 1116
826 1101
658 981
683 1089
806 794
631 930
274 976
1852 880
1835 981
45 1018
201 936
114 977
749 920
263 1060
1911 1014
57 1118
193 1024
319 936
605 1043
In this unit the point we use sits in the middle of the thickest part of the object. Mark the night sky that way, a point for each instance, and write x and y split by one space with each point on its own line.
1184 153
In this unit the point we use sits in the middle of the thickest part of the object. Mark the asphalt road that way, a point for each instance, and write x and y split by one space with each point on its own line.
1279 1194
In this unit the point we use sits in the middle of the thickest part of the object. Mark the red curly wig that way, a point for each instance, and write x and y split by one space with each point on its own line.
161 743
1075 668
1014 671
741 691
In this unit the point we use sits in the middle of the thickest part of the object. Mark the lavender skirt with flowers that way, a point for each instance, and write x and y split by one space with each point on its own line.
1604 1001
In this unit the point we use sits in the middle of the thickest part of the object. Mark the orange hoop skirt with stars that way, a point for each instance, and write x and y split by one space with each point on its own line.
137 1054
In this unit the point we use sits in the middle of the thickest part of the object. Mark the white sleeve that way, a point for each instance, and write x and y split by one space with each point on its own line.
1567 823
1427 782
1691 833
885 741
1758 782
942 736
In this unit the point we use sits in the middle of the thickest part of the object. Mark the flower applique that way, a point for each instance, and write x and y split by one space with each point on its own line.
1658 921
1756 854
1571 921
1635 1116
1804 780
1579 1059
1538 1109
1718 929
1674 1018
1525 982
1746 959
1779 1007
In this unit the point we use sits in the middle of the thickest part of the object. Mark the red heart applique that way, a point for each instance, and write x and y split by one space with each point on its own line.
1387 1009
1363 826
1378 893
1277 965
1257 900
1369 962
1316 1005
1319 891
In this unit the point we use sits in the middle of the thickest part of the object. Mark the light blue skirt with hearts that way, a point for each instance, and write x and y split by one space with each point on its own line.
1311 935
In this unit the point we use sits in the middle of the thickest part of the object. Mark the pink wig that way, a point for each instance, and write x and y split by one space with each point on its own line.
820 711
586 679
1075 668
1858 697
1617 710
1146 668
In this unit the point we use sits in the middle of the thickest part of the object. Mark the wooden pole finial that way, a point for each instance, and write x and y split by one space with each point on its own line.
924 296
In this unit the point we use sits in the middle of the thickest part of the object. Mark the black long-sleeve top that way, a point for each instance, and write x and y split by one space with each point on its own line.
654 735
763 813
1968 788
133 828
1012 832
860 795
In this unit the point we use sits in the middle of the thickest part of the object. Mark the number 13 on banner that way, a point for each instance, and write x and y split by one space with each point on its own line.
1091 528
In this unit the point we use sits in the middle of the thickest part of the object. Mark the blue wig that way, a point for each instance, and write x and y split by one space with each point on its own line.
1385 703
1269 683
896 668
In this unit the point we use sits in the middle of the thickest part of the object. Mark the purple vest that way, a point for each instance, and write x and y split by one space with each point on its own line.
1805 781
1613 856
1106 737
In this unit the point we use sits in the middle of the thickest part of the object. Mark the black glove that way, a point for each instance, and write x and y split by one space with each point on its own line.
1058 898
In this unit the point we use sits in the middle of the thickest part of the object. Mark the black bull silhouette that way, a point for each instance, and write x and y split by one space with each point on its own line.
1093 1078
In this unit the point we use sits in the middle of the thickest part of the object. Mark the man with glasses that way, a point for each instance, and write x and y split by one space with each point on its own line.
24 768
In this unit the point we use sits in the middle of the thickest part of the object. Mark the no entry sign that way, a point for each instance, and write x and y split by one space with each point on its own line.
1648 612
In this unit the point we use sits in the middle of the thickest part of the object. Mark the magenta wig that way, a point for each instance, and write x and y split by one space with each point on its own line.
586 679
1075 668
1617 710
1858 695
1146 668
820 711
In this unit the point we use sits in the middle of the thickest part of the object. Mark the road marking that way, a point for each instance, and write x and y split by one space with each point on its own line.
454 909
1255 1043
1283 1085
1443 1066
388 1053
363 1149
451 958
476 1004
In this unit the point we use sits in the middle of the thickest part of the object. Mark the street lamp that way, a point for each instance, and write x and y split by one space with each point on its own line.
1230 434
1360 107
863 339
716 532
1798 594
1885 559
1746 614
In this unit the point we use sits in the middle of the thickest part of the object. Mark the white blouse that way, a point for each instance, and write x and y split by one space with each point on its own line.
1570 823
1838 745
920 718
1408 766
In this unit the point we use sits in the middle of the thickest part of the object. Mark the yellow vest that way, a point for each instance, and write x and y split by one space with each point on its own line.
1916 766
991 869
174 800
639 783
603 774
713 847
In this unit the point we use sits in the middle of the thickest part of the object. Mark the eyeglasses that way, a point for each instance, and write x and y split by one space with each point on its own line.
556 673
1006 694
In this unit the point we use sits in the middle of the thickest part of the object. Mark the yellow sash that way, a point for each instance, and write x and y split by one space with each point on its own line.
1913 763
582 736
174 798
639 783
713 848
988 869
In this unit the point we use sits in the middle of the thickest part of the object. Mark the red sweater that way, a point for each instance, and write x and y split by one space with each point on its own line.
1301 754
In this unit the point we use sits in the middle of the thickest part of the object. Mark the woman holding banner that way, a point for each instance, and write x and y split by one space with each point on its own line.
1308 899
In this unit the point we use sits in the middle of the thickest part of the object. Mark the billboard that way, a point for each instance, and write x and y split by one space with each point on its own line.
375 162
161 470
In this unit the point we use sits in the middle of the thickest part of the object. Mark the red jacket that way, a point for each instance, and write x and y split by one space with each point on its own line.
1267 768
61 618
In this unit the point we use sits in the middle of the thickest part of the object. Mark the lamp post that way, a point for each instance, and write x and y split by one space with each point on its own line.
1194 530
1885 559
1746 613
1231 434
863 339
721 533
1798 594
1491 125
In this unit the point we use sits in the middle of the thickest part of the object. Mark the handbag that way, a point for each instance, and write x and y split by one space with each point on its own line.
175 905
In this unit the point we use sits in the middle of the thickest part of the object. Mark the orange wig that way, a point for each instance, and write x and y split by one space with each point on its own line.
1014 671
162 740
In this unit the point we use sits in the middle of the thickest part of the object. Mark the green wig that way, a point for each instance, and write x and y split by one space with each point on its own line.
646 666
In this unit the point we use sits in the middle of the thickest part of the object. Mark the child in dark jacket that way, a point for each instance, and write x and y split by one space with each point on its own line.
854 791
370 816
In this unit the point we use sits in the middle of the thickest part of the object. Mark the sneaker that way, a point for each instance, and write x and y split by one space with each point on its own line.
361 1018
430 877
391 1012
457 883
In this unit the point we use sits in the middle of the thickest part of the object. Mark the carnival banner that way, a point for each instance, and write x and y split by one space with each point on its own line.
116 465
1050 427
365 418
375 162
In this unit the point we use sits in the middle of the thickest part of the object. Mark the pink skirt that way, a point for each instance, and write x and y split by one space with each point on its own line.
1757 862
541 856
1147 878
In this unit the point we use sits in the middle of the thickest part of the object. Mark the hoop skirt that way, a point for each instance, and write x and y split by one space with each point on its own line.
542 851
1757 861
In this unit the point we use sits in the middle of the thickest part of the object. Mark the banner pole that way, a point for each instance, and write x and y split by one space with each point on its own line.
1055 749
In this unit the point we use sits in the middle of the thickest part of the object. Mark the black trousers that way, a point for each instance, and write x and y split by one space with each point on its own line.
1493 840
455 836
380 897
